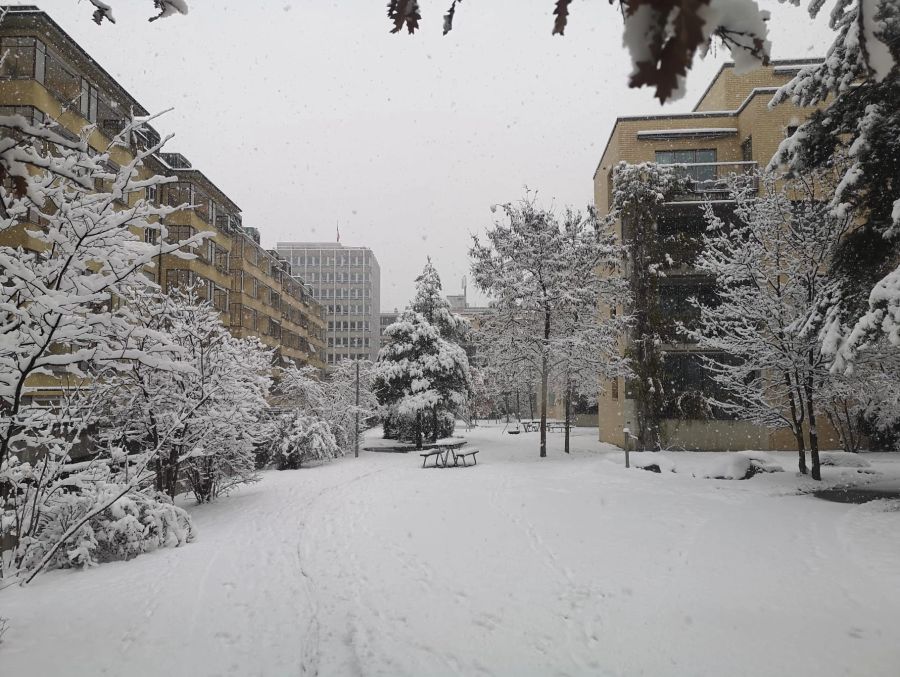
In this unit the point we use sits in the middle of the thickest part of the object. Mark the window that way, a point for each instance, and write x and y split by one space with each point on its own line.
178 233
151 235
700 158
62 82
21 60
614 388
747 149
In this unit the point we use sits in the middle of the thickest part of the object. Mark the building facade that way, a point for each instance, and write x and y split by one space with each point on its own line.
49 78
385 321
730 131
346 281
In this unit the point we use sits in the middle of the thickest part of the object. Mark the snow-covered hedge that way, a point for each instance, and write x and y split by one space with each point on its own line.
842 459
652 461
134 524
742 465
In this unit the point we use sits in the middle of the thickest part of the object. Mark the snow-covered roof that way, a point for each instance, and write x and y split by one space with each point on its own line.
688 131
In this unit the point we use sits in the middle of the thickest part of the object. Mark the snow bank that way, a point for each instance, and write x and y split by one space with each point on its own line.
653 461
842 459
742 465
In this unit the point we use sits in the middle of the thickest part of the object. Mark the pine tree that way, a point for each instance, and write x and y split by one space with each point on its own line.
856 130
418 372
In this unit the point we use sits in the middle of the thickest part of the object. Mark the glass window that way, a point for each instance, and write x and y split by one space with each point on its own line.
19 58
61 81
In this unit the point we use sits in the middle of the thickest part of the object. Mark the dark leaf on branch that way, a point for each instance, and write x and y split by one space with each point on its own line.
404 12
562 16
448 17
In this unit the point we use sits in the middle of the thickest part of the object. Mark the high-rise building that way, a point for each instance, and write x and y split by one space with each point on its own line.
347 282
731 131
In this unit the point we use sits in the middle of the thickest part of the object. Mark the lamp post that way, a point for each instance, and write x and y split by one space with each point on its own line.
356 450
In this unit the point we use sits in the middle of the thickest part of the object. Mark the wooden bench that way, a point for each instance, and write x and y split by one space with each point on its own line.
462 453
558 427
439 454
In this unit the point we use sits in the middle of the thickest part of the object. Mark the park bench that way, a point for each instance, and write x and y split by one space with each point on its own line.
462 453
557 427
439 453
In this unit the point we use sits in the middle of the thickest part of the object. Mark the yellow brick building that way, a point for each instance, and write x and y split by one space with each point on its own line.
730 131
47 76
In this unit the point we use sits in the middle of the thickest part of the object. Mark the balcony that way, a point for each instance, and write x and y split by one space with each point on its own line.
712 181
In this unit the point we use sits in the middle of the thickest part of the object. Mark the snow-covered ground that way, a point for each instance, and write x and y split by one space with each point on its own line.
518 566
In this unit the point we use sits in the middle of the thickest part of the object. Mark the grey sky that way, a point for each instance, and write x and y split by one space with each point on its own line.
309 112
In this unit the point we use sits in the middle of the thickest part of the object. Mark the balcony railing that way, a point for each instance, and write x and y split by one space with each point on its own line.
714 180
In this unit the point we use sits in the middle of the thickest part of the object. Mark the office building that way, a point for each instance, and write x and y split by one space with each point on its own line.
347 282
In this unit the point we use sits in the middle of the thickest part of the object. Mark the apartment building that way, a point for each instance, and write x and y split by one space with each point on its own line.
347 282
49 78
730 131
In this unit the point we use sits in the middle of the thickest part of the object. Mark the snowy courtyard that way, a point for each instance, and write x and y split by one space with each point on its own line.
517 566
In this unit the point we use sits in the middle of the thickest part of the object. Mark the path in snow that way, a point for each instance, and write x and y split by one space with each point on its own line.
518 566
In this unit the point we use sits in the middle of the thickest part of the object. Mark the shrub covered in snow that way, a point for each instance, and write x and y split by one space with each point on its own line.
842 459
742 465
651 461
297 437
135 523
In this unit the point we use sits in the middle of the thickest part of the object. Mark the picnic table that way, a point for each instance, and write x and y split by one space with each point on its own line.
533 425
442 450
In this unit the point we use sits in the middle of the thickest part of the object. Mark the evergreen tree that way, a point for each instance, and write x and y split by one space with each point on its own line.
418 373
856 130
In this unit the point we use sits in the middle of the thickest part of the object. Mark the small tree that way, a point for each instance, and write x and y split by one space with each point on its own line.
58 317
331 398
547 281
771 264
208 403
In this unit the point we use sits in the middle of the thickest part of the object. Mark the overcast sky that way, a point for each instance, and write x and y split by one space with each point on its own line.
308 113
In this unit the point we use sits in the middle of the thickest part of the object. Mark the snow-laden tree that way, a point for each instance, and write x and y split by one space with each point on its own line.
856 128
430 302
772 265
208 404
638 201
419 373
81 220
509 380
548 278
331 397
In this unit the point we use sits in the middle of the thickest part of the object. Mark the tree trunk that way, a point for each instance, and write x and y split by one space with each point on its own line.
545 382
418 430
568 404
816 471
434 424
797 428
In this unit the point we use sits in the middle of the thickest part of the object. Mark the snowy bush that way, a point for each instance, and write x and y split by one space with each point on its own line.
842 459
298 438
651 461
131 525
742 465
